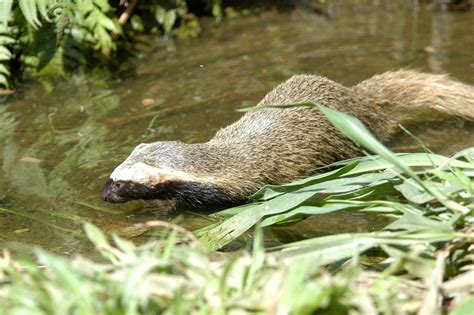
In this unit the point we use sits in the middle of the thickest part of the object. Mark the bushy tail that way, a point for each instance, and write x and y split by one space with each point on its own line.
411 97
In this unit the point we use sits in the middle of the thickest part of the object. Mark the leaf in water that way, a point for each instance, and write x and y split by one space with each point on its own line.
132 230
30 159
21 231
220 235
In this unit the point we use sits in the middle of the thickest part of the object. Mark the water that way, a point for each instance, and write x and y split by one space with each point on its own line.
57 149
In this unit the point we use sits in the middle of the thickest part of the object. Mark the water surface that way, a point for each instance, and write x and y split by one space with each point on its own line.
57 149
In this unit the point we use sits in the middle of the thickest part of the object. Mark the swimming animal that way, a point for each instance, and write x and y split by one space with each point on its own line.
282 145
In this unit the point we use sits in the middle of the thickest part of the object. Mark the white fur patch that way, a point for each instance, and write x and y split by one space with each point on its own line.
137 173
148 175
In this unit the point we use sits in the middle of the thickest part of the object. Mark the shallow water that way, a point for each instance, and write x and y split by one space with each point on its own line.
57 149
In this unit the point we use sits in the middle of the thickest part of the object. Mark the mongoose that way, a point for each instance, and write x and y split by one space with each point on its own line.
282 145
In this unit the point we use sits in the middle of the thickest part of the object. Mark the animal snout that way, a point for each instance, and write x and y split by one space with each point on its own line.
111 191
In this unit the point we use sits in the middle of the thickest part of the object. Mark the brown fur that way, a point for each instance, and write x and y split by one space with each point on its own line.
278 146
282 145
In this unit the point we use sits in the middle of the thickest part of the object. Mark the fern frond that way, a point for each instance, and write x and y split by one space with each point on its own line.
5 11
43 7
30 12
7 40
103 5
5 54
4 81
4 70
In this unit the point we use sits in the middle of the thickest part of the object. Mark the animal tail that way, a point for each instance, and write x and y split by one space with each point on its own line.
411 97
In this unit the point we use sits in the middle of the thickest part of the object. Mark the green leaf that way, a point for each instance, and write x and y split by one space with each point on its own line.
4 80
414 261
465 307
70 281
329 249
28 8
304 211
43 7
126 246
107 22
5 11
5 54
415 222
7 40
270 191
169 20
103 5
4 70
413 192
95 235
357 132
216 237
375 162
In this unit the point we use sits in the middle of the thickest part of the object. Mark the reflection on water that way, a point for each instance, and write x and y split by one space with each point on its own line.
57 149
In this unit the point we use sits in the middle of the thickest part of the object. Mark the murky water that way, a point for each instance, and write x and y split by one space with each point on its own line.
56 149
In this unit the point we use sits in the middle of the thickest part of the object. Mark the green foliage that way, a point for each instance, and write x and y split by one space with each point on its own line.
51 36
424 256
440 187
164 277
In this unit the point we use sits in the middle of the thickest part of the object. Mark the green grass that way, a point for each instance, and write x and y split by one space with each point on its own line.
424 255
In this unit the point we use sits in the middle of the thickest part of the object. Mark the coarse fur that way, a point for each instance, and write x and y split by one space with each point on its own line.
281 145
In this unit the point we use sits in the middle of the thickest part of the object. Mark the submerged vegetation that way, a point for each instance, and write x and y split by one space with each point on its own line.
420 263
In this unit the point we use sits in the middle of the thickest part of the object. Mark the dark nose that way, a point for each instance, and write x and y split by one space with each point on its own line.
111 191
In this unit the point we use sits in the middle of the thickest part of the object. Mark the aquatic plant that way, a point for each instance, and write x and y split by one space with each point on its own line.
48 37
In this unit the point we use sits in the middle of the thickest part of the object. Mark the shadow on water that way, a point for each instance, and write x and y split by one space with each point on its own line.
57 149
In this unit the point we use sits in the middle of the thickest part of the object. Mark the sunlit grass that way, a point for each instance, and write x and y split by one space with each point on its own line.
424 254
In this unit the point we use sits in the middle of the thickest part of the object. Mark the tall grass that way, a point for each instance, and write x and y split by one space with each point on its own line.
424 266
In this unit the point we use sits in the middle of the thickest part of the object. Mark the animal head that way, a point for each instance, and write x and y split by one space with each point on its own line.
164 170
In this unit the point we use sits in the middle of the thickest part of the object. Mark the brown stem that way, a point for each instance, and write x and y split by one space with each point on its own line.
128 12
